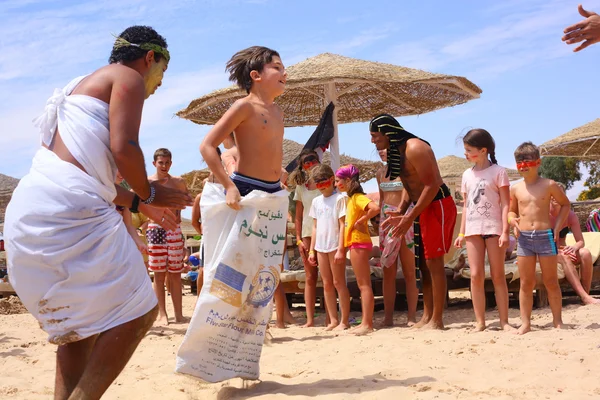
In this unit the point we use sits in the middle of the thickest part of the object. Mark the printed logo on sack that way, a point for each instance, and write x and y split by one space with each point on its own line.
227 285
263 286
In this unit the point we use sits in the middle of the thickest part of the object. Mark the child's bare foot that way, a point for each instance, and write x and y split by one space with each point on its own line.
181 319
424 321
559 325
361 330
332 326
386 323
590 300
308 325
410 323
342 327
411 320
479 327
508 328
280 325
162 320
523 329
434 325
289 319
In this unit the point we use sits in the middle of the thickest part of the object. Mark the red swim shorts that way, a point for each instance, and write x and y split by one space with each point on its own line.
436 225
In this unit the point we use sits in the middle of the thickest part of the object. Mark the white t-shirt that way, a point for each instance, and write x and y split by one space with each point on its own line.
328 211
306 197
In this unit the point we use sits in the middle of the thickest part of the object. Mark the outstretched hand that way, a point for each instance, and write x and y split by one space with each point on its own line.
162 216
588 30
170 198
398 224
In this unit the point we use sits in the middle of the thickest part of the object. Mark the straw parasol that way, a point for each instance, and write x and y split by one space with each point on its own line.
194 179
359 89
453 167
367 169
7 186
581 142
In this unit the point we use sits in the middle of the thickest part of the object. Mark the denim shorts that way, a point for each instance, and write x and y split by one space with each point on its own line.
536 243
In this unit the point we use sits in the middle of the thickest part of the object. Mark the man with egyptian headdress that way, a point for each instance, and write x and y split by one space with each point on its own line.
70 258
433 214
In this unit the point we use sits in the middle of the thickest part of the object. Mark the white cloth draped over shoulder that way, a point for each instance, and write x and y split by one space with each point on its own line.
70 257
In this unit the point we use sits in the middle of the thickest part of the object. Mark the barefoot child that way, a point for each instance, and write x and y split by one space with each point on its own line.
484 225
239 280
359 210
537 238
328 212
304 194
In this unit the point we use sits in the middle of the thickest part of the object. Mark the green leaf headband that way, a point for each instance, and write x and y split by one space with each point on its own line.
120 42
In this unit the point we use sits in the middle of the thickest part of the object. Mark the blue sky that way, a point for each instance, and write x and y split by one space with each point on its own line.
534 86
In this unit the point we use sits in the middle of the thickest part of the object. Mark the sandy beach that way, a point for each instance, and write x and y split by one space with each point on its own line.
391 363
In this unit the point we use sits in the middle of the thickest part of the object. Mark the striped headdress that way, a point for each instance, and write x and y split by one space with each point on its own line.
390 127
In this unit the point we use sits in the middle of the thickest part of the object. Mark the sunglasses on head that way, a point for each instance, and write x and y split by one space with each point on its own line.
528 164
323 184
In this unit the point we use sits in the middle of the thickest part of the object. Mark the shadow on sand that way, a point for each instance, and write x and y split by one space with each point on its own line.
324 386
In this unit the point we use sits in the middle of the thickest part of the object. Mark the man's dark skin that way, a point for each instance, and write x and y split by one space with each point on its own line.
421 178
86 368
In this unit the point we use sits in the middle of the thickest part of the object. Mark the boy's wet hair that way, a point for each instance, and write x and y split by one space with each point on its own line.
245 61
527 150
321 173
480 138
162 152
136 34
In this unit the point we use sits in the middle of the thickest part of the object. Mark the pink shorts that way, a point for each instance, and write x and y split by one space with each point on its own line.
165 249
368 246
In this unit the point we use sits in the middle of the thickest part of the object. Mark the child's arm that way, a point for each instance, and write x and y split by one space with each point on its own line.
236 115
196 223
513 211
565 206
404 202
463 223
132 232
340 254
312 258
504 202
371 210
298 224
573 223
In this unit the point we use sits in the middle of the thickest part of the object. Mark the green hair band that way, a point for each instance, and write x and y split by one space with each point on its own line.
120 42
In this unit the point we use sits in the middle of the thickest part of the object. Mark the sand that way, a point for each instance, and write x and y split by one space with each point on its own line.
394 363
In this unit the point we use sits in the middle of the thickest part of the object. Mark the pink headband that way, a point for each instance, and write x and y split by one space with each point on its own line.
347 172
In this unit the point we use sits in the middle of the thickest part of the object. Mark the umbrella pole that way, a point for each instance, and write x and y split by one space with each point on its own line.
334 144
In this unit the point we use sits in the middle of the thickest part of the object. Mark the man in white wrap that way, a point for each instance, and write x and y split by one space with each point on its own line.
243 244
70 258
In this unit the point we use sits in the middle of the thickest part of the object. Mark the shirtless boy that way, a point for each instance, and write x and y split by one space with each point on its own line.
433 215
257 123
537 238
165 247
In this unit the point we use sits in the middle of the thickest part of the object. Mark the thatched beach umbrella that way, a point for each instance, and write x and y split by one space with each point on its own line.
581 142
359 89
7 186
453 167
194 180
367 169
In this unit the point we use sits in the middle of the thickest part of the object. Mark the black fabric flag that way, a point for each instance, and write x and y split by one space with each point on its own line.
320 137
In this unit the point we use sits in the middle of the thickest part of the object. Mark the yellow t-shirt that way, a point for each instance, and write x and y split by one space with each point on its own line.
354 210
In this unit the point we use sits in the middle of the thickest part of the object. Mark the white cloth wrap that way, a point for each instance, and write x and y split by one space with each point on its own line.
70 257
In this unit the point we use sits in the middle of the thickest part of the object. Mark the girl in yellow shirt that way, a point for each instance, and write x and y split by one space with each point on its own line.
359 210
